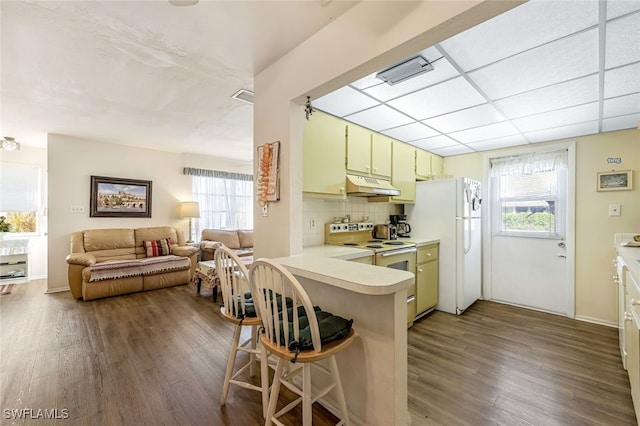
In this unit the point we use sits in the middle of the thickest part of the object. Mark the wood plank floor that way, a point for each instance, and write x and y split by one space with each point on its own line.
158 358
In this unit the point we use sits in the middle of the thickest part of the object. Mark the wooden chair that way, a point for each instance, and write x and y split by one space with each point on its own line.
233 276
271 284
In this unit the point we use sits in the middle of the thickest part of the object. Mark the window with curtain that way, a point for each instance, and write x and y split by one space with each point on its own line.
19 197
529 194
225 199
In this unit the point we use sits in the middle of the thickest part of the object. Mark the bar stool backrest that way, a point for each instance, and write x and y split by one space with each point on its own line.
234 282
271 286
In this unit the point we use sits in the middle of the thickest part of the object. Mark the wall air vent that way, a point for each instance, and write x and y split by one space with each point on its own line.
244 95
405 70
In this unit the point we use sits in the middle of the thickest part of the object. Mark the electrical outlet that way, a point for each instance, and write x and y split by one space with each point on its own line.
614 209
77 209
312 225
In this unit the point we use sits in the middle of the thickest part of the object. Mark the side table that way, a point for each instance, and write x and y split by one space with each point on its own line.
206 271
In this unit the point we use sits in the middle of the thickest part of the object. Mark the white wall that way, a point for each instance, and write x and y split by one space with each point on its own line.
595 293
38 242
73 161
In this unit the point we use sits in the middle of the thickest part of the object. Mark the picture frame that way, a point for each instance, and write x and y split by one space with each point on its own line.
268 173
615 180
119 197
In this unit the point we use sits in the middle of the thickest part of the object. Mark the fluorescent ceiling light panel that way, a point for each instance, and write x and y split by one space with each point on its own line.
619 8
452 150
622 105
467 118
622 81
405 70
343 102
443 71
571 93
619 123
379 118
562 60
411 132
485 132
443 98
558 118
497 143
435 142
623 41
563 132
524 27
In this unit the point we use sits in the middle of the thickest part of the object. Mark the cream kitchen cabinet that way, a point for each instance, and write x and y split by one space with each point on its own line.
632 338
426 278
323 156
403 175
368 153
428 165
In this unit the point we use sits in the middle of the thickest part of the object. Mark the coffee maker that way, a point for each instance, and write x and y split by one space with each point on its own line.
402 226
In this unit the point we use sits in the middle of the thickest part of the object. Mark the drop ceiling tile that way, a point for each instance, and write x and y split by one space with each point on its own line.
497 143
524 27
484 132
343 101
623 41
367 81
452 150
558 61
564 132
622 81
558 118
631 121
622 105
411 132
621 7
571 93
440 99
471 117
434 143
442 70
379 118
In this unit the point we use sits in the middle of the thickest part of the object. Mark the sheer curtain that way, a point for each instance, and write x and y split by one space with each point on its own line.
225 199
528 164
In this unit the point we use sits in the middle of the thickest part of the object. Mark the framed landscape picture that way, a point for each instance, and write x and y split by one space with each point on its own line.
117 197
615 180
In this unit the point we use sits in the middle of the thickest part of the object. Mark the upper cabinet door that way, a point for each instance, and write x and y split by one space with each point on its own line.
381 155
323 155
358 149
437 165
403 175
423 164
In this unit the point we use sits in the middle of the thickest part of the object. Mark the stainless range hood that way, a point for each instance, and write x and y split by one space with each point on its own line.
367 186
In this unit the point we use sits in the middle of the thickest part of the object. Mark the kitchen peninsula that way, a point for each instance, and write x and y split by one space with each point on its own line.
374 368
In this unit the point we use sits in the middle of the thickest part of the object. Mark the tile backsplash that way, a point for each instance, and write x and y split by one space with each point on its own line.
324 211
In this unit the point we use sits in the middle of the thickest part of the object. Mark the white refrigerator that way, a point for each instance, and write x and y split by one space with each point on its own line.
450 210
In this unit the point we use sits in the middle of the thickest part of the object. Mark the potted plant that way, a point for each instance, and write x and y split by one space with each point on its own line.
4 226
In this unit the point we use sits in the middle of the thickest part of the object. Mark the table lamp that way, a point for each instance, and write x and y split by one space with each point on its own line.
190 209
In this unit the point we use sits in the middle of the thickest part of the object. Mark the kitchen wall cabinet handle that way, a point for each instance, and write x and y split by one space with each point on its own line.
420 270
635 302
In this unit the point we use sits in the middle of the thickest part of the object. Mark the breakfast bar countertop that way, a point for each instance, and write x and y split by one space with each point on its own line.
353 276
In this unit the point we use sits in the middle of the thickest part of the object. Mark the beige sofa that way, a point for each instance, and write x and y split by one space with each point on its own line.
239 240
110 262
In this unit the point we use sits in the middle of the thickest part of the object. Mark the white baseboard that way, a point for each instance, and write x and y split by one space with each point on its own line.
56 290
597 321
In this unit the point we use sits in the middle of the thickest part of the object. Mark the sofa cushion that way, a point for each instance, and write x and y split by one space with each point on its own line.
246 238
228 238
158 247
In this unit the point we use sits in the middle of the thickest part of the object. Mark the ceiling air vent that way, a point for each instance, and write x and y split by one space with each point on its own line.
244 95
405 70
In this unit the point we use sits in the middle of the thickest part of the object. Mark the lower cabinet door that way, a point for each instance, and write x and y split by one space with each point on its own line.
426 286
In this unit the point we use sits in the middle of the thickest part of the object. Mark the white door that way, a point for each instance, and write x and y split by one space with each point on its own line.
531 249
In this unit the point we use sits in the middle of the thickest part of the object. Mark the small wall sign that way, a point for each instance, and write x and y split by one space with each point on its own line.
614 160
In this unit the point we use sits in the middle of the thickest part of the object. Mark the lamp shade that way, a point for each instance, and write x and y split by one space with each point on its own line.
189 209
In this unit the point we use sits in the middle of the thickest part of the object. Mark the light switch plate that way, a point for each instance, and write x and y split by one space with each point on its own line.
614 209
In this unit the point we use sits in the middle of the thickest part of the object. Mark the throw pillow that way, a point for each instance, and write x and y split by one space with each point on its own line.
158 247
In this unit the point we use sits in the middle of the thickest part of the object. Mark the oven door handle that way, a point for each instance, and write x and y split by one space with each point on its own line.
401 251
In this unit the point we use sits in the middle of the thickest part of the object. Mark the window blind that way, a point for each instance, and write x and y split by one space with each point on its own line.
19 188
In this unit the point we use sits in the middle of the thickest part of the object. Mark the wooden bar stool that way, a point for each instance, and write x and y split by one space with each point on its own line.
238 309
285 307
